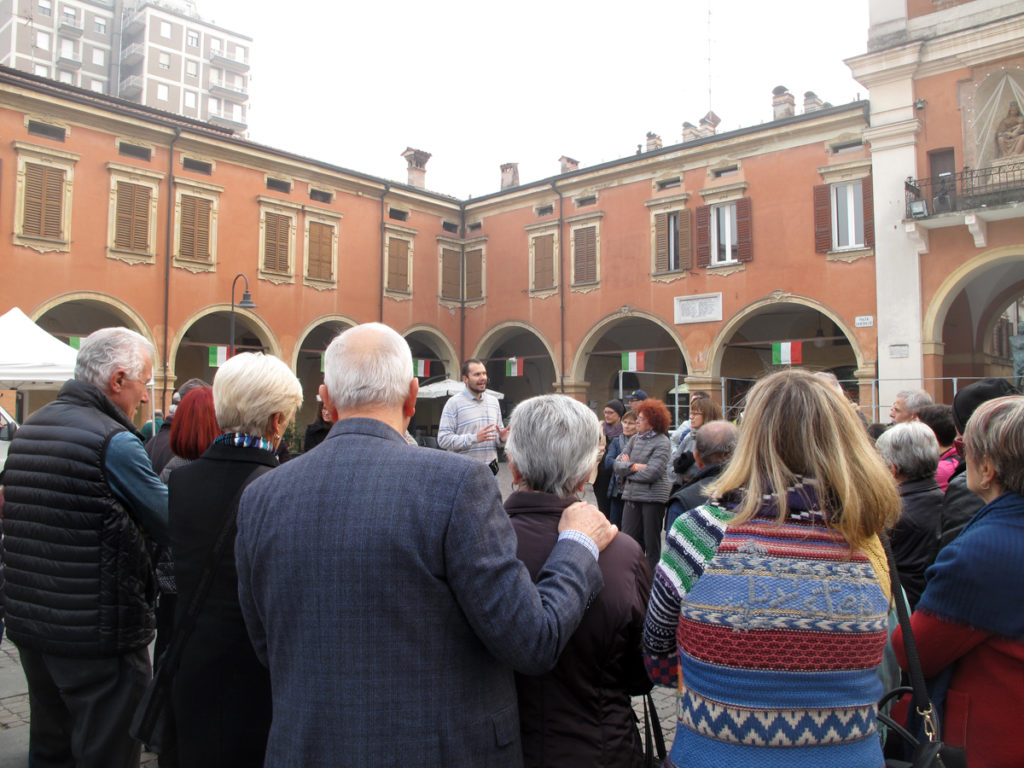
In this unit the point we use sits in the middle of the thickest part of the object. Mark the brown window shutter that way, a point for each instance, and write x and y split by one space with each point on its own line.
704 236
585 257
398 265
131 217
321 238
44 191
451 271
685 239
867 191
475 274
543 262
823 218
276 240
744 231
194 232
661 242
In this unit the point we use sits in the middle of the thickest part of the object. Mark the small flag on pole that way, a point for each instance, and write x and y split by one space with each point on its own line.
632 361
218 356
787 353
421 367
75 342
514 366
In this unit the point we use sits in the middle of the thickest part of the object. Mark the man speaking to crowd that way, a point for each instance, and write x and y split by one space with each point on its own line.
471 420
380 584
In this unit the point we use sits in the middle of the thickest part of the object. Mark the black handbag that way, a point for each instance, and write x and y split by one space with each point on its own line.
929 752
653 749
152 722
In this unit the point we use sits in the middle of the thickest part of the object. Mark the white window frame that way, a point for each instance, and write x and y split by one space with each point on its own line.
333 220
43 40
194 99
726 211
165 30
99 57
191 68
55 158
211 192
100 25
164 89
845 198
144 178
66 77
96 86
189 36
163 60
45 7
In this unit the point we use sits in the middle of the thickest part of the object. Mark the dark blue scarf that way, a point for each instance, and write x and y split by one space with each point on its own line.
978 579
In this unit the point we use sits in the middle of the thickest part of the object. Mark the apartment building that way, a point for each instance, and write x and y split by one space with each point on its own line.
161 54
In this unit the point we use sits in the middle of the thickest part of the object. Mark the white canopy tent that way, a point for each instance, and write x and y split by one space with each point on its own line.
447 388
30 358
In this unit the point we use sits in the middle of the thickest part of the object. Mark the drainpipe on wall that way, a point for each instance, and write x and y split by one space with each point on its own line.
383 254
462 293
167 252
561 293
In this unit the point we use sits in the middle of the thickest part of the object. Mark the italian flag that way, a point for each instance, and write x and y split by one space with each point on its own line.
514 366
421 367
218 356
75 342
632 361
787 353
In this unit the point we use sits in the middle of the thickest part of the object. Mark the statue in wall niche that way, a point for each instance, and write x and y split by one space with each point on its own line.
1010 133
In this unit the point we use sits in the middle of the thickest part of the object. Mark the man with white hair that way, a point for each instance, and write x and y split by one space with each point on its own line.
80 500
380 585
907 404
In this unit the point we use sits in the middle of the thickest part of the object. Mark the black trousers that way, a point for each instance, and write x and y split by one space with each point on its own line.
642 520
81 708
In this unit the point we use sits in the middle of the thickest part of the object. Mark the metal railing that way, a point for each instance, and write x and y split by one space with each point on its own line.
969 189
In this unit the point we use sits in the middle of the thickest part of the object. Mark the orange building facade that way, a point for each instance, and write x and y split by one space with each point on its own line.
706 256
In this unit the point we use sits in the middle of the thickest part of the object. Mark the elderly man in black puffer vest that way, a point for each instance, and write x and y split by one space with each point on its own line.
81 499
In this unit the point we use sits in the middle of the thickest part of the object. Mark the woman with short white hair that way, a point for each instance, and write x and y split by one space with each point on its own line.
221 693
579 713
911 452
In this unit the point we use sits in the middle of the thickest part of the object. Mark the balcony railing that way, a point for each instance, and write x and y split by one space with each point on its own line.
970 189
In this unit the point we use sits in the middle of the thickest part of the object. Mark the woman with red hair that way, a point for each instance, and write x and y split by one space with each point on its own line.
193 430
642 466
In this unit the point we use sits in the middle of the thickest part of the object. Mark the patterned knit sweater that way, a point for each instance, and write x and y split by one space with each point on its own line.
777 631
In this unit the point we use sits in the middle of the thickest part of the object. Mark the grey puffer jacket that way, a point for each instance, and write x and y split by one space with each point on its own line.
651 483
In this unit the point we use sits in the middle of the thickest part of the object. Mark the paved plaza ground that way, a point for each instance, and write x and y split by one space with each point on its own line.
14 710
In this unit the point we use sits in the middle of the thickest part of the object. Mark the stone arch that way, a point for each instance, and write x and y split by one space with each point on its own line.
312 326
515 338
125 312
493 338
439 345
734 323
586 346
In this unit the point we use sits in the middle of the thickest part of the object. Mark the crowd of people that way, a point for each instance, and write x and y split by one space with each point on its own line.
367 603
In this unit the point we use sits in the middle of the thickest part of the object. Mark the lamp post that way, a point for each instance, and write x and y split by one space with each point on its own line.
245 303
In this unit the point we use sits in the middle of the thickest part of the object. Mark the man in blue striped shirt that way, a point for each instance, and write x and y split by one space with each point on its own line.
471 420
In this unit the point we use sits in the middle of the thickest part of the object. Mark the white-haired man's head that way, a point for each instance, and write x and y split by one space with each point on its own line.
369 365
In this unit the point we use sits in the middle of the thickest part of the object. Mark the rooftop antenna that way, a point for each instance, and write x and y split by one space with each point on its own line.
709 57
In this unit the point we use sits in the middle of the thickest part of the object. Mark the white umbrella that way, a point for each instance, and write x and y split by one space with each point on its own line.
447 388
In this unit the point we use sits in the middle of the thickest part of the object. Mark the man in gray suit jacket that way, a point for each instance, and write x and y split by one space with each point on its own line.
381 587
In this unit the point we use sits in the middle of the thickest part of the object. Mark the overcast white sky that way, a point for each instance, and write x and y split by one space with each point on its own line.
478 84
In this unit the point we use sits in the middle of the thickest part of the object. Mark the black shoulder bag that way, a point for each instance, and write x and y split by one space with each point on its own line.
151 723
931 753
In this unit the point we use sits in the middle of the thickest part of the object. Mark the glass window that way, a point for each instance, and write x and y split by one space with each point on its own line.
213 105
43 40
99 57
193 38
724 248
65 77
96 85
45 7
192 68
101 25
162 92
165 61
847 215
190 99
41 69
165 29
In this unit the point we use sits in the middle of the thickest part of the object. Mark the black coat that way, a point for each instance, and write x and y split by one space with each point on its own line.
915 538
221 692
691 496
580 713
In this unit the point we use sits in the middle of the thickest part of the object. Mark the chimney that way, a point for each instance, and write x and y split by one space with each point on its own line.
690 132
783 103
812 103
568 164
708 124
653 141
417 160
509 175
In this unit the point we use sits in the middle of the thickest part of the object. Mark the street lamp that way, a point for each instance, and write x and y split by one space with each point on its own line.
245 303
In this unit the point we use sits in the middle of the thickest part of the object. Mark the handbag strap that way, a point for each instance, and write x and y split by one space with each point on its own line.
168 661
651 714
922 702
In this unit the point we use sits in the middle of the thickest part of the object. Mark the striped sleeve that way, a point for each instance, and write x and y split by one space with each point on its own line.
692 541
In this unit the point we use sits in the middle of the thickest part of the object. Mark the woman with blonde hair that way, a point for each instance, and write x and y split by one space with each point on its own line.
769 606
221 692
